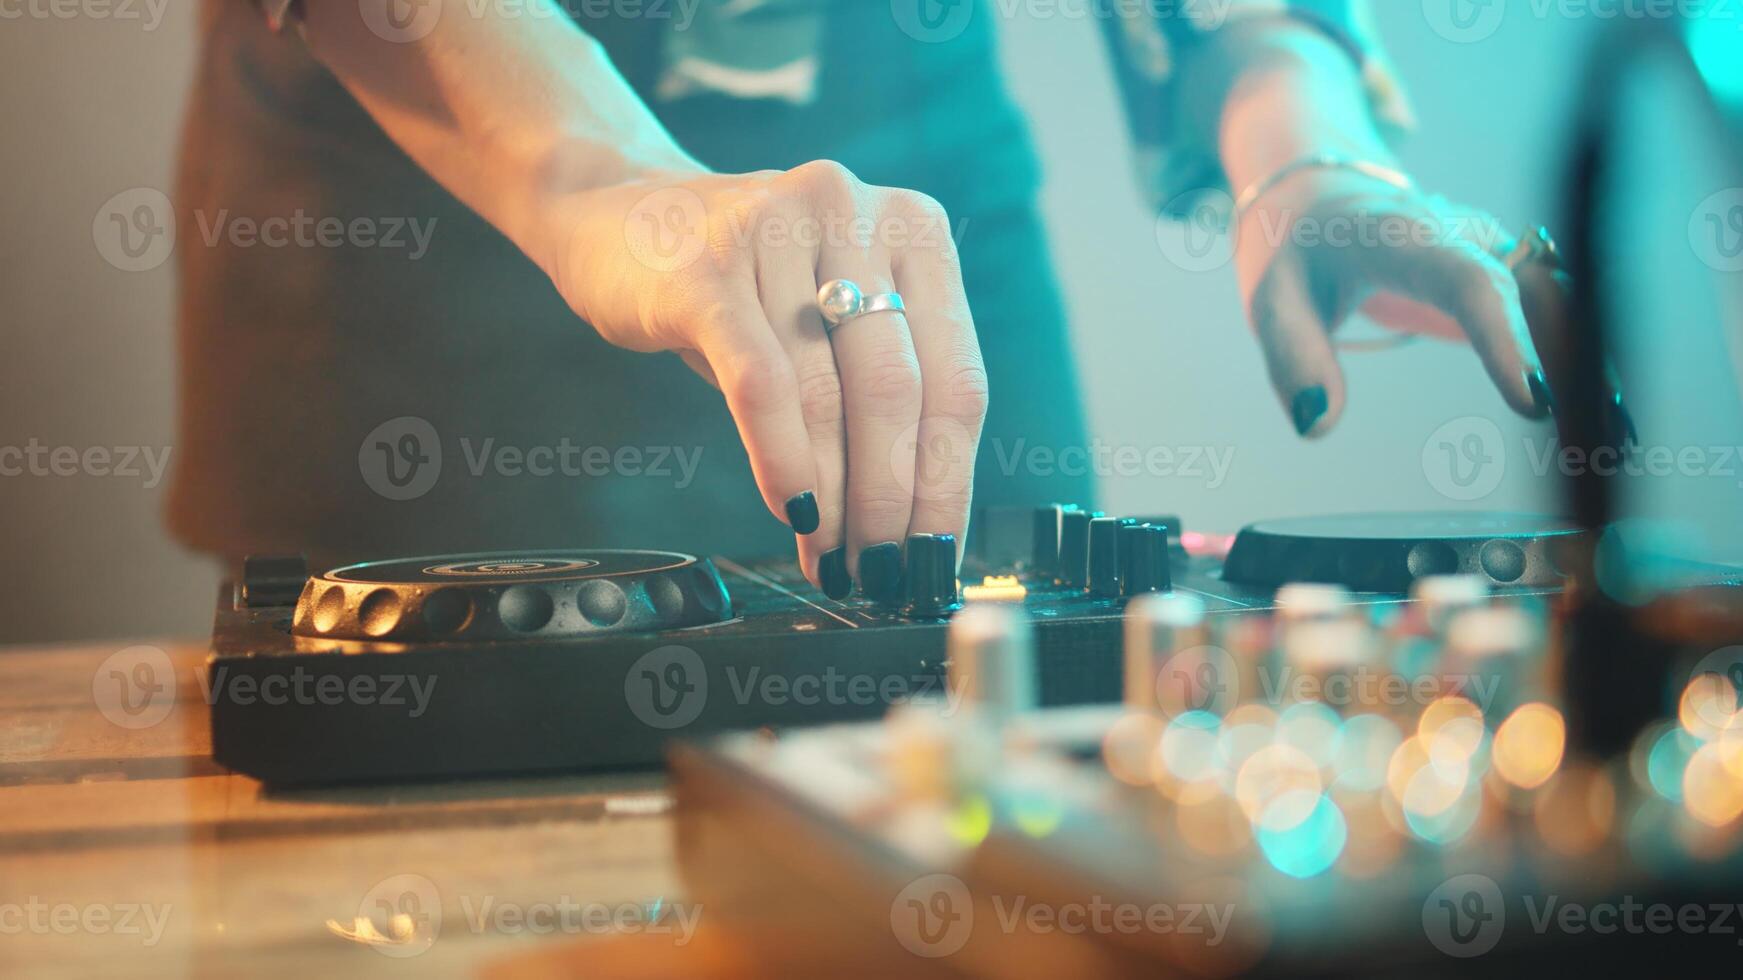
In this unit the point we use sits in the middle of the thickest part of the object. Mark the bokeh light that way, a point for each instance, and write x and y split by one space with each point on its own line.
1529 745
1710 791
1277 787
1311 845
1361 751
1708 704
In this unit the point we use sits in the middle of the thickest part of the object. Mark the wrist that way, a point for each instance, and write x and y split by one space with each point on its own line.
562 180
1296 95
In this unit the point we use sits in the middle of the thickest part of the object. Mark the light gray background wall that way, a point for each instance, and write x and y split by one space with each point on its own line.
90 107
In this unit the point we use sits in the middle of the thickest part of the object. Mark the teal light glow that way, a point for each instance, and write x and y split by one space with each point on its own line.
1189 745
1665 764
1717 48
1364 746
1311 846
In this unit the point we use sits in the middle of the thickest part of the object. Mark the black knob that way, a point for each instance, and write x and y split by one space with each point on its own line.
1074 548
1144 560
932 575
1104 555
1044 559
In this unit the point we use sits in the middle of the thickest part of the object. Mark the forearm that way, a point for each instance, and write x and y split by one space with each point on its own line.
508 113
1278 92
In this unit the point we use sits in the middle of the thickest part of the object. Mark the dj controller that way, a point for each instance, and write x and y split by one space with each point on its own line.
1106 746
572 660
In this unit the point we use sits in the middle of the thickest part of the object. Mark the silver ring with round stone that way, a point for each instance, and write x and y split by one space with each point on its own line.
840 300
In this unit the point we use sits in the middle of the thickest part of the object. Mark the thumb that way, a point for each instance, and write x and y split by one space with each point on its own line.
1298 350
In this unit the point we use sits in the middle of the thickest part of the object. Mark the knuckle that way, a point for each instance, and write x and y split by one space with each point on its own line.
758 383
882 505
889 384
916 204
826 181
820 396
964 392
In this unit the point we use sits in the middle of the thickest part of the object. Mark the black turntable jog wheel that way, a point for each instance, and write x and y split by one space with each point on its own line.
518 595
1388 552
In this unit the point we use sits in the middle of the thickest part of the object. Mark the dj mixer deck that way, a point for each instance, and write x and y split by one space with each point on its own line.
585 660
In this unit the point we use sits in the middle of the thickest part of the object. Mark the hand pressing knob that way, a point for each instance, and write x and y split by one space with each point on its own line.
931 577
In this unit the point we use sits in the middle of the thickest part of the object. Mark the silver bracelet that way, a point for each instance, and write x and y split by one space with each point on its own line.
1324 161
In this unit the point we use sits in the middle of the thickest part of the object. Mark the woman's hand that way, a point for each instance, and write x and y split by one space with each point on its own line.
1325 243
724 270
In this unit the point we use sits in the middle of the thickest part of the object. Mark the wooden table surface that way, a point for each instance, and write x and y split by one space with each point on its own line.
124 851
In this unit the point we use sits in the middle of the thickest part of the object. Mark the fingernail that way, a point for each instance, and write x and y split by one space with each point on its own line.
880 572
832 572
1308 408
1622 423
802 514
1540 396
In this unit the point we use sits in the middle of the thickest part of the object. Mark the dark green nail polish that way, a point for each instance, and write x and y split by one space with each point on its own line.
1308 408
802 514
832 572
880 572
1540 396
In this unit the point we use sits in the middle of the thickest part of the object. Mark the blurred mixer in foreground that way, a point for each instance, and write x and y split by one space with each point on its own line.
1327 788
